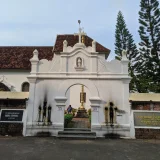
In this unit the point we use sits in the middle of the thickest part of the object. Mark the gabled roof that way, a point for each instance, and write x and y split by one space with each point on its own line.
19 57
72 40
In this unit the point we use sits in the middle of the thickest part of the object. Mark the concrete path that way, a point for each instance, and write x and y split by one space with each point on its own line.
32 148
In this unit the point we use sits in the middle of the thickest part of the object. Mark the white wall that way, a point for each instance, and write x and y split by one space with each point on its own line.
108 90
15 78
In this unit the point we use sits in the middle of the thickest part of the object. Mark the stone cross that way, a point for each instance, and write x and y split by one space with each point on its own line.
81 33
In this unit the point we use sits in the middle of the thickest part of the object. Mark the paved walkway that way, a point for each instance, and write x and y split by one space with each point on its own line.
81 123
32 148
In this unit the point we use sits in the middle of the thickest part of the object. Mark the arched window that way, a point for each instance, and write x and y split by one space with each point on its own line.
3 87
25 87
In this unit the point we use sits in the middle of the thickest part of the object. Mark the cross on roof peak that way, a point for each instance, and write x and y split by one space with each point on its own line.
81 32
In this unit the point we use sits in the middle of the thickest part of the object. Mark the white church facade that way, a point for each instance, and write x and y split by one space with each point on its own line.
78 65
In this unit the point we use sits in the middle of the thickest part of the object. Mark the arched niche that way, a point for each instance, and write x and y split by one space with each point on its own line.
25 87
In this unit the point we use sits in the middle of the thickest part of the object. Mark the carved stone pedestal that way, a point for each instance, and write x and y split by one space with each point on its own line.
82 113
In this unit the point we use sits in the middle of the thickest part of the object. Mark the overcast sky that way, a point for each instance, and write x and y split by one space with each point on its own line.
37 22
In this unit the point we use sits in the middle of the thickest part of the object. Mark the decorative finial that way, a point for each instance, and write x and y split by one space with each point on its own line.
35 55
93 46
79 21
65 45
81 33
124 55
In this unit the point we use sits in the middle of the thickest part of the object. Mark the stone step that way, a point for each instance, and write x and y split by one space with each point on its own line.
77 129
79 137
77 134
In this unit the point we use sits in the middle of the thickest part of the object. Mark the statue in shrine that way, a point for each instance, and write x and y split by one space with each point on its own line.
44 112
39 114
111 112
49 114
79 62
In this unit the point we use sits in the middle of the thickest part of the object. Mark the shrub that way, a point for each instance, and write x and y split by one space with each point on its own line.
89 111
67 119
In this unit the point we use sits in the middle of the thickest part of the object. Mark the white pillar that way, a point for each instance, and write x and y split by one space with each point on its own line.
95 104
126 105
94 62
132 128
65 43
59 119
31 101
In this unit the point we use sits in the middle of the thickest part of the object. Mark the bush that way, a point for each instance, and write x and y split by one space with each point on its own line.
67 119
89 111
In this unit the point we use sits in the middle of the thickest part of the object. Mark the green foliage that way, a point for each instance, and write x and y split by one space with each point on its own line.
67 118
148 62
121 36
124 41
89 111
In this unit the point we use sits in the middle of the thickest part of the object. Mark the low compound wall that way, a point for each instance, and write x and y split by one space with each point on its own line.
145 124
143 133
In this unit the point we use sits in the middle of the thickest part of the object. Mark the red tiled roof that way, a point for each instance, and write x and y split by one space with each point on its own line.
18 57
72 40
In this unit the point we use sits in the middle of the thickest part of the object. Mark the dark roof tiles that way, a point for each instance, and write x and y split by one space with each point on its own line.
72 40
19 57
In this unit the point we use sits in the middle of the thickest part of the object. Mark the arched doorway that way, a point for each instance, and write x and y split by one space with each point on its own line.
61 99
74 115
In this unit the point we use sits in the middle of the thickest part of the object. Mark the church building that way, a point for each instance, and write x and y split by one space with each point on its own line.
44 81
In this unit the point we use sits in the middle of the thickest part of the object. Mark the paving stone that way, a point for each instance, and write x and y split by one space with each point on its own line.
35 148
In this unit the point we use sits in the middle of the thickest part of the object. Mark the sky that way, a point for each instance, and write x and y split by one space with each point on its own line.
37 22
